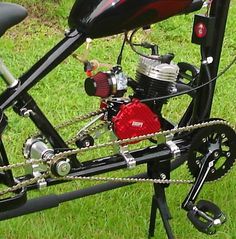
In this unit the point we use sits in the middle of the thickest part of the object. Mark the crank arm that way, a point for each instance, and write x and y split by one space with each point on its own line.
205 215
208 163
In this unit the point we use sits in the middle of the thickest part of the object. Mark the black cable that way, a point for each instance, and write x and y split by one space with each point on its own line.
119 59
195 88
132 45
208 74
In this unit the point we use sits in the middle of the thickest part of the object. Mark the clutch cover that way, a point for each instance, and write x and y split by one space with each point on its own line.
135 119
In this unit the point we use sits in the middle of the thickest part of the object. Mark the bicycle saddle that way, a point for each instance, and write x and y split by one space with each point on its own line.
10 15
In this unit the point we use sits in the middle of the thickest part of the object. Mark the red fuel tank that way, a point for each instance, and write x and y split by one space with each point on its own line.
99 18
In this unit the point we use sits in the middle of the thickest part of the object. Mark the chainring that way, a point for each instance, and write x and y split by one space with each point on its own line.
221 138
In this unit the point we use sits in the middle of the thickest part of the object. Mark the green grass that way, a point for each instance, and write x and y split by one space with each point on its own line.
124 213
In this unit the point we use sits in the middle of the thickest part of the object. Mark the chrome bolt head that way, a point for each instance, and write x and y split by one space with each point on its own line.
216 154
198 162
163 176
87 143
204 140
223 136
217 222
63 168
228 154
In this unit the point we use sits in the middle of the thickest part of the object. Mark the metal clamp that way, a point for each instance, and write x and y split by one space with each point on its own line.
124 151
175 150
41 183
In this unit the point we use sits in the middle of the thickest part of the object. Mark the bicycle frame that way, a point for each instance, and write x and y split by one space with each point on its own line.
17 95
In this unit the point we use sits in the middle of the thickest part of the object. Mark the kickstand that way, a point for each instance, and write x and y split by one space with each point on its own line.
159 199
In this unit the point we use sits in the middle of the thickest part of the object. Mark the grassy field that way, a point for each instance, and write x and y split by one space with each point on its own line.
124 213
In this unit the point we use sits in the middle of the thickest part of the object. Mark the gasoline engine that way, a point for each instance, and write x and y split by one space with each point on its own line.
156 76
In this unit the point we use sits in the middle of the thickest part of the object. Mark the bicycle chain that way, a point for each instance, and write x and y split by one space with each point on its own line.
68 153
72 121
79 118
77 137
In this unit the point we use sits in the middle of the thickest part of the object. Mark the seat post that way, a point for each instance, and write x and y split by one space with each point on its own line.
9 79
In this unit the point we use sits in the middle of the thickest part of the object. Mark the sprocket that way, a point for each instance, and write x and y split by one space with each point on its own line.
219 140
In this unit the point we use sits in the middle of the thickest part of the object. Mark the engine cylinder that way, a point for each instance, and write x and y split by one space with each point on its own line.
156 78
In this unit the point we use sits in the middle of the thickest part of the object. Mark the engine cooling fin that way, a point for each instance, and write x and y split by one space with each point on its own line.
156 78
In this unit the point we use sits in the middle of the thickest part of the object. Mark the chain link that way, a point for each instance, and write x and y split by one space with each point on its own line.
127 180
23 184
77 119
74 120
20 165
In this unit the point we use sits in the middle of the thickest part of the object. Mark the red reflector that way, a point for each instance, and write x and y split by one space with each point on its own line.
200 30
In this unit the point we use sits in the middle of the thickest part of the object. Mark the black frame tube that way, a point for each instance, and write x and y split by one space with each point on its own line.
204 98
50 61
7 176
53 200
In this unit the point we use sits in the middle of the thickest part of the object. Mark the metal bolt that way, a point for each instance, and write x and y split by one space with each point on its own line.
204 140
198 162
217 222
228 154
163 176
63 168
216 154
222 136
25 112
42 184
173 90
87 143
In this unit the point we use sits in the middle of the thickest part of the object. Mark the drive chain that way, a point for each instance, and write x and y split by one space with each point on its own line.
68 153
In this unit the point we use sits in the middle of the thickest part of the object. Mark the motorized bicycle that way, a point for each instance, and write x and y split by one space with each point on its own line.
207 145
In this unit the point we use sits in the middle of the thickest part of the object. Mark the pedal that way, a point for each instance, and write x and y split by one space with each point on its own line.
206 217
